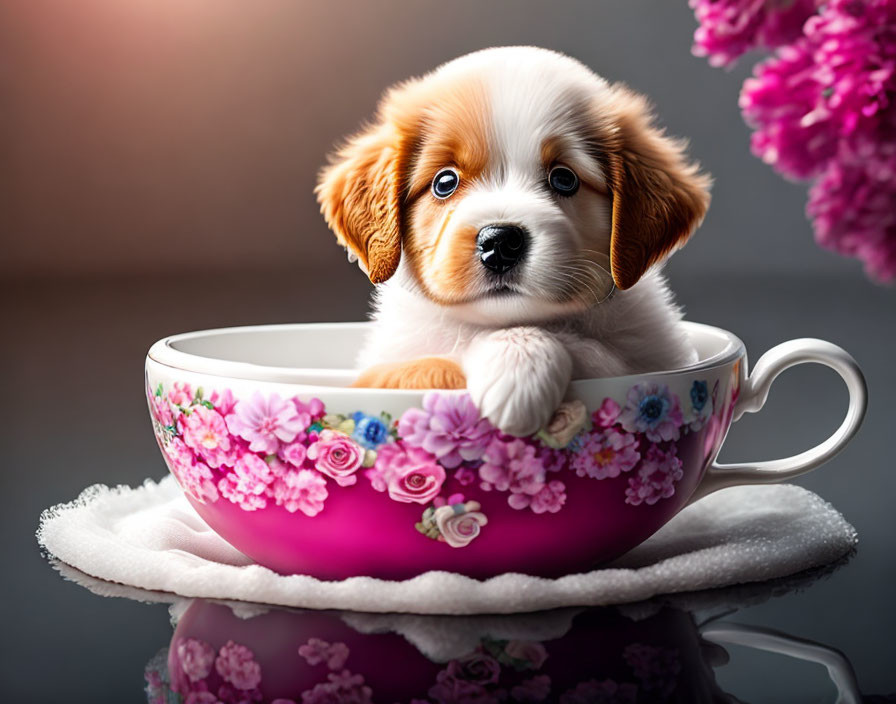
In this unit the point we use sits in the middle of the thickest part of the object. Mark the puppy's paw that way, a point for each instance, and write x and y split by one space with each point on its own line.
517 377
423 373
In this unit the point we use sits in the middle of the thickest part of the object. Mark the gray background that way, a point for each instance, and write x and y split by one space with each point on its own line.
156 165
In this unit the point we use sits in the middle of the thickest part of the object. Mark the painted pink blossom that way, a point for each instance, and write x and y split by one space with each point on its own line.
236 665
266 422
607 414
202 697
181 394
303 490
317 651
476 667
465 476
459 522
223 401
161 411
449 689
341 688
654 410
449 427
294 453
314 409
535 689
606 453
549 499
337 456
655 478
247 483
512 465
409 474
196 658
730 28
205 431
194 477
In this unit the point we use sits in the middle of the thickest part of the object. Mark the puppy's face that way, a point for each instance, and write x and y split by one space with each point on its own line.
513 185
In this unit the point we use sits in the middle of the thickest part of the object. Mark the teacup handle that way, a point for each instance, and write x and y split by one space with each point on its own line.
754 392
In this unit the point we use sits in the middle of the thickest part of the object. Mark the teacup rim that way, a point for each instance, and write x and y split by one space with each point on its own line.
164 354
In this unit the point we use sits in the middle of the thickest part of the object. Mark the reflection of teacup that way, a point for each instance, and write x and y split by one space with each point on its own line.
305 475
570 656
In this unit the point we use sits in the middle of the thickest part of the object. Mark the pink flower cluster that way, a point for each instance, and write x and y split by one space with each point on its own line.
823 108
193 662
516 466
317 651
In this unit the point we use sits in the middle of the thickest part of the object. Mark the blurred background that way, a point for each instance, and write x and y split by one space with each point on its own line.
157 161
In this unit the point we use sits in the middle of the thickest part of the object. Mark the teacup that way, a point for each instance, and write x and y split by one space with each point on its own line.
306 475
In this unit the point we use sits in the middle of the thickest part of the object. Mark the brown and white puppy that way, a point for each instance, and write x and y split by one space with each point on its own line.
497 203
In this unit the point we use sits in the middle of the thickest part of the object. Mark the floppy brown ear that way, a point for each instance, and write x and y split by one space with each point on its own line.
659 198
360 195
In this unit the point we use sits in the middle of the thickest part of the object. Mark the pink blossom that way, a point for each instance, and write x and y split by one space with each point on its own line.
161 411
449 689
549 499
608 691
193 476
729 28
476 667
465 476
606 453
607 414
335 455
535 689
409 474
236 665
655 478
247 483
202 697
196 658
512 465
223 401
449 427
654 410
266 422
180 394
459 522
294 453
205 431
314 409
303 490
316 651
341 688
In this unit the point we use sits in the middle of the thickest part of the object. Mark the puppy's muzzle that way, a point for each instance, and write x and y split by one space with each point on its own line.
501 247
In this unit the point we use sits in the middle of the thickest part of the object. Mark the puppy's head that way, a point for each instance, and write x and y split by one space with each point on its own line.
512 185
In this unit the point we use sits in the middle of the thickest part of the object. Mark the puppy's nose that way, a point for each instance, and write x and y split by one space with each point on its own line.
501 247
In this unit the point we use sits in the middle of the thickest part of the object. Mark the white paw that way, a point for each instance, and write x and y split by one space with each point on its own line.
517 377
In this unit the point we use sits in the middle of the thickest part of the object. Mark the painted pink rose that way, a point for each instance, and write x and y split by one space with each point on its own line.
196 658
459 523
409 474
205 431
266 422
337 456
247 483
194 477
236 665
529 651
478 667
303 490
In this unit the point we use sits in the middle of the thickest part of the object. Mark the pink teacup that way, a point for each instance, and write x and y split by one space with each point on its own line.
306 475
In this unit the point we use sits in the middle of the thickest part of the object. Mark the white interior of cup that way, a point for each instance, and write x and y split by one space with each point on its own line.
325 353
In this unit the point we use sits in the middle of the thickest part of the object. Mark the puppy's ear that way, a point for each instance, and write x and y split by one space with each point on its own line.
659 198
361 191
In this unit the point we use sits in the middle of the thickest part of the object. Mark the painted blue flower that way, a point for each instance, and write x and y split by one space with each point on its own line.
370 431
699 395
652 409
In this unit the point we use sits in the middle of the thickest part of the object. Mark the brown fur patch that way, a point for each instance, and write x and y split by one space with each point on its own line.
659 198
423 373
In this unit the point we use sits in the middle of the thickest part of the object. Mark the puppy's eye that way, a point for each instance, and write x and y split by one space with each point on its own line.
445 183
563 181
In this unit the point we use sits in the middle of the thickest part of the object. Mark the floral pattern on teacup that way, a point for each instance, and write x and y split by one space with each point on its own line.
267 451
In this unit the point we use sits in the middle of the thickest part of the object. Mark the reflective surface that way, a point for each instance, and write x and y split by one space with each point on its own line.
74 414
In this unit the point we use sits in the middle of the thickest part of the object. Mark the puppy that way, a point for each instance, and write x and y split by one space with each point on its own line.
513 209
